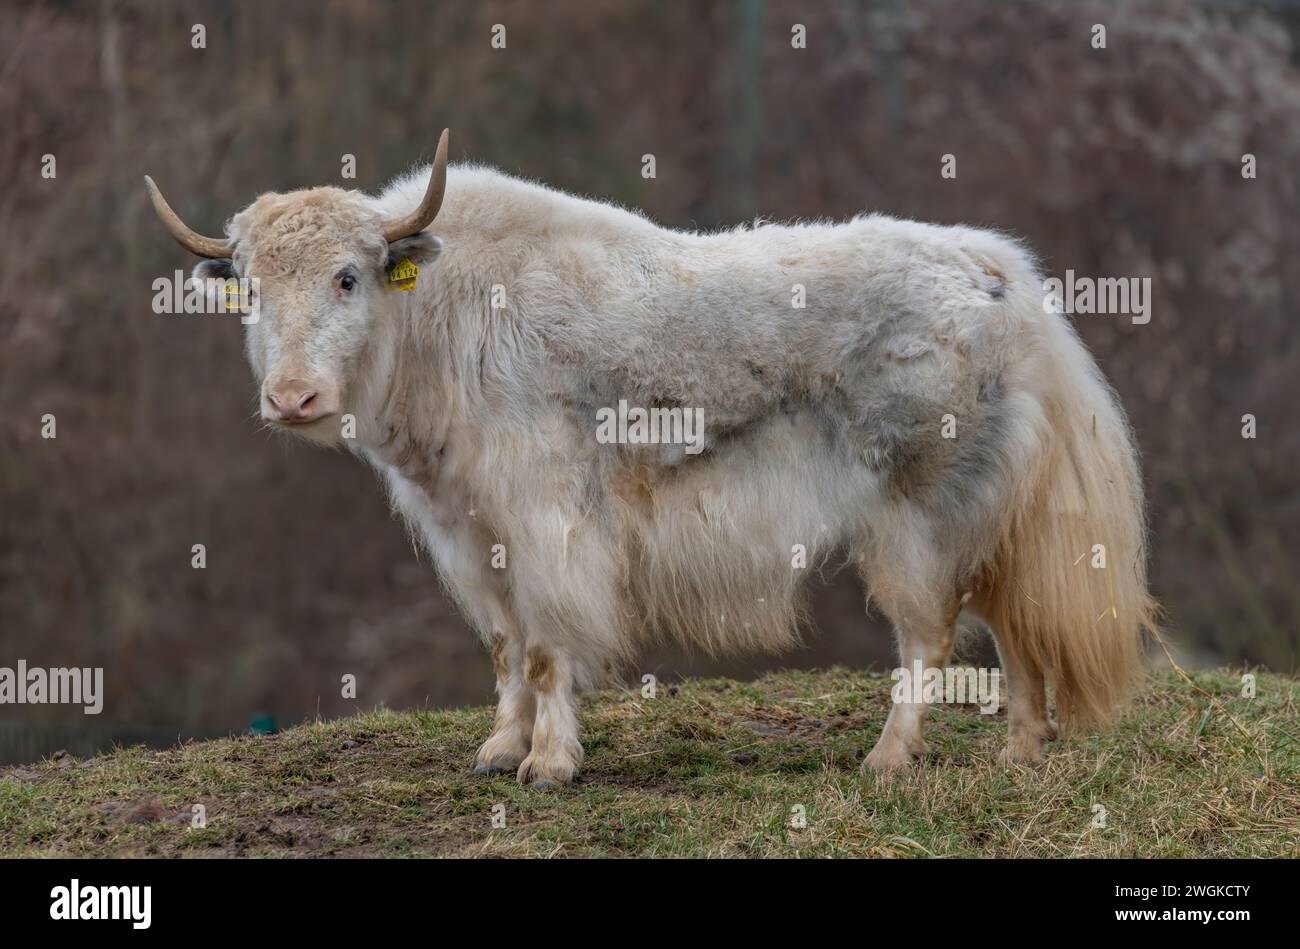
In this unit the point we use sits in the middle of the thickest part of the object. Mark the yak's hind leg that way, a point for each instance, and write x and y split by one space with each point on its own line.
914 584
1028 724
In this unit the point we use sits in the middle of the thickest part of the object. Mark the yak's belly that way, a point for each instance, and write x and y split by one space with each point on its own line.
718 546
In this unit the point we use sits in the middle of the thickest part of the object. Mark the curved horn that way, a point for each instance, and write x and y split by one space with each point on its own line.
419 219
195 243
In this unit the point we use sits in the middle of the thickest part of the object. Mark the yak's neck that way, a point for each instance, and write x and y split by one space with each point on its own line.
468 343
402 400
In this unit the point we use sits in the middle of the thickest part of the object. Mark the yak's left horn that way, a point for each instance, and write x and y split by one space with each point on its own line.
195 243
421 217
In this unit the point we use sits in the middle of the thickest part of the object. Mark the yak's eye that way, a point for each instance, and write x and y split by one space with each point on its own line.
345 281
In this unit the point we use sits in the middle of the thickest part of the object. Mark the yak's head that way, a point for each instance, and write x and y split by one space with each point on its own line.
320 261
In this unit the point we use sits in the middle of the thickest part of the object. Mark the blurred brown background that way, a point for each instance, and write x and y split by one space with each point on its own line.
1123 161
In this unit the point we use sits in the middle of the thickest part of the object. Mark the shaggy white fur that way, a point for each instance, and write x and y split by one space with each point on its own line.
920 411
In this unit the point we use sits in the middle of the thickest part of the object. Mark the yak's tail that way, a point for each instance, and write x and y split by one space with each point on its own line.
1067 592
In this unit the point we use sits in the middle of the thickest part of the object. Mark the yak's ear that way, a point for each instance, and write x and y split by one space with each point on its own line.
213 270
419 248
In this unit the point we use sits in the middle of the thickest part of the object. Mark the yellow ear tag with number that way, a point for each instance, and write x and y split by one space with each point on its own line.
403 275
233 297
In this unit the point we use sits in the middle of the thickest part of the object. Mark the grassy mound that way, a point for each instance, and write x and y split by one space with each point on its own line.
707 768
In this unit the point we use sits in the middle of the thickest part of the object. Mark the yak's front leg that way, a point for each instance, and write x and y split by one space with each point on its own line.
556 751
565 592
512 730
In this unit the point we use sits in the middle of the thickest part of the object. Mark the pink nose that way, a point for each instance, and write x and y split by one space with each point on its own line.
292 401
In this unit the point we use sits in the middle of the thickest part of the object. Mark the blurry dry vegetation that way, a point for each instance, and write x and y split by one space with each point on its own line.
1117 162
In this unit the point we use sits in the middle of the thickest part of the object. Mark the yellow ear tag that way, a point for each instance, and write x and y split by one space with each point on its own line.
403 275
234 299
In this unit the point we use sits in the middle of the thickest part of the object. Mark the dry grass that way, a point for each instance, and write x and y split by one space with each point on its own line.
709 768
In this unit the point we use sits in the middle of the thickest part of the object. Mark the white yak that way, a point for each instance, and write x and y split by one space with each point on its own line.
890 390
